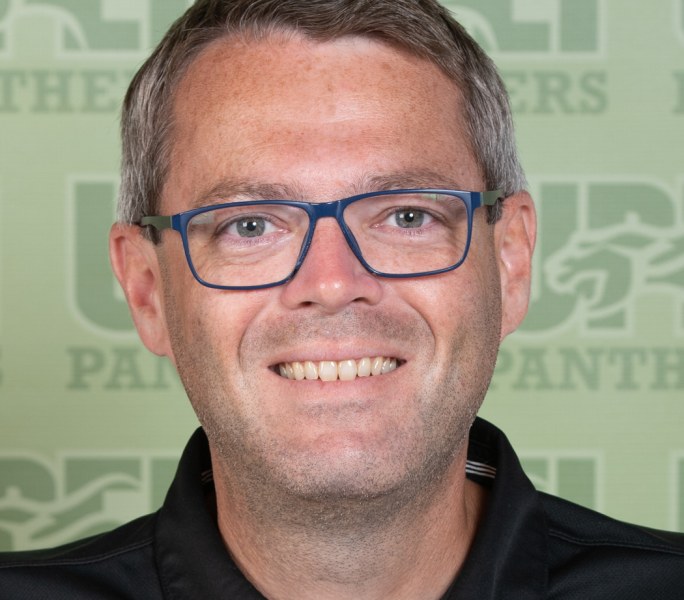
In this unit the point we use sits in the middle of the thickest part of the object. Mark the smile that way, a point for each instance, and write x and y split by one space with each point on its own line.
332 370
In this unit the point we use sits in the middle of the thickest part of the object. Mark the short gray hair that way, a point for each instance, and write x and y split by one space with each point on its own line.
423 28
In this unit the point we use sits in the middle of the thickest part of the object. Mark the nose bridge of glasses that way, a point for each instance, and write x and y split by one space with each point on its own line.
333 209
320 210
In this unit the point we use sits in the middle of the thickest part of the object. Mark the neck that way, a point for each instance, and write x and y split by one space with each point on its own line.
349 548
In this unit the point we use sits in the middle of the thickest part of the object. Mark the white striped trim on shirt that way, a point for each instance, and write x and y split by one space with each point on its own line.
481 469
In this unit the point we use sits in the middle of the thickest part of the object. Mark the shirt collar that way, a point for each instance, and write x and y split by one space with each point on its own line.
509 556
192 560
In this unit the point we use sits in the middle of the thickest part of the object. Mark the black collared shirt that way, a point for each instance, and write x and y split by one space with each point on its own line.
529 546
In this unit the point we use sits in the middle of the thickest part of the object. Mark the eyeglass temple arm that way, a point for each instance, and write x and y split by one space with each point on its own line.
492 197
158 222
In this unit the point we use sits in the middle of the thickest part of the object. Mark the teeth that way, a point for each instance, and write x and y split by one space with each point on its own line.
327 370
363 368
310 370
347 370
388 365
298 371
344 370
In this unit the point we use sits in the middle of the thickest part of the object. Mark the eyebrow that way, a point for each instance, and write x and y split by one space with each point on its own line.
419 178
253 190
250 190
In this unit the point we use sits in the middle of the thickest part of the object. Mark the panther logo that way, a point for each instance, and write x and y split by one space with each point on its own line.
606 267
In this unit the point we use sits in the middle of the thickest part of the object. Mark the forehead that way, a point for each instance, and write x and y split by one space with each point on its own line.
288 109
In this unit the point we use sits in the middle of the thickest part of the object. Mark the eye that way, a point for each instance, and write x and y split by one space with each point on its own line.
409 218
247 226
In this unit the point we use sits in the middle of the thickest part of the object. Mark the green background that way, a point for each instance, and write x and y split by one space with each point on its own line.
591 390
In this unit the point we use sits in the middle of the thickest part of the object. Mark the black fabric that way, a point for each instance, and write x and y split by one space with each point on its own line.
529 546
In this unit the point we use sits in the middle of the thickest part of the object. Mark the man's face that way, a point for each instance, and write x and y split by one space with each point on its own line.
322 121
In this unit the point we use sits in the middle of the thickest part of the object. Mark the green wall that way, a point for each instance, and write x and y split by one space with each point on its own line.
591 390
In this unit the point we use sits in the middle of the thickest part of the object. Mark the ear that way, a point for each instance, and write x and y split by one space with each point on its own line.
515 235
136 266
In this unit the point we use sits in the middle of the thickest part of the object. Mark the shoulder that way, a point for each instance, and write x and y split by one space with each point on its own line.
121 560
610 558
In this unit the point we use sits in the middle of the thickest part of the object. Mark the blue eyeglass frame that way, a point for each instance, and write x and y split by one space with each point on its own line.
319 210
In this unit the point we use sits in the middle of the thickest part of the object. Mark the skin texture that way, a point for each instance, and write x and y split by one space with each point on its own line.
340 489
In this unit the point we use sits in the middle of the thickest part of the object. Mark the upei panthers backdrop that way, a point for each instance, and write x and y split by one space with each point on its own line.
590 390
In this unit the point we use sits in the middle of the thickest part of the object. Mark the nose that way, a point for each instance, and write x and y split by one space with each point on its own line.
331 277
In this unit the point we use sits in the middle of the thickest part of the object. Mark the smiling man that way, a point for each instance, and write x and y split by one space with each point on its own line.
324 226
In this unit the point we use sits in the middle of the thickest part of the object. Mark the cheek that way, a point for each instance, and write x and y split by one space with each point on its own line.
462 308
458 301
191 306
481 271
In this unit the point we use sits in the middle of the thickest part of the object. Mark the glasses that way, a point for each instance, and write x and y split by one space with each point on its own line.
263 243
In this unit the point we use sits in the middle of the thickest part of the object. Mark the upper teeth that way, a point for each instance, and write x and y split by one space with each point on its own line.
330 370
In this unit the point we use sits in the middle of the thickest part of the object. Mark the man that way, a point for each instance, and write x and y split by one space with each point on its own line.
324 226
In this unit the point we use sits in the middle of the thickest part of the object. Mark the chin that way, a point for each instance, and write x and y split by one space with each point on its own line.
347 467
